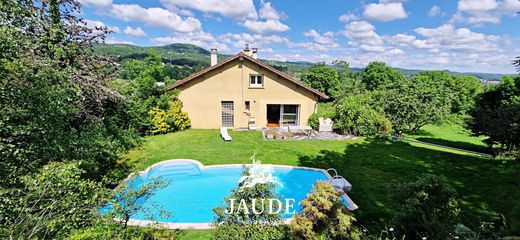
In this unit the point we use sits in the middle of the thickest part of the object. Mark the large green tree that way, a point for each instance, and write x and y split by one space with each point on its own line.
350 81
415 102
323 78
465 89
377 75
54 98
497 114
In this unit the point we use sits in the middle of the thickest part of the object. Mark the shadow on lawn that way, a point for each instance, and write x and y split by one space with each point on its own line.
457 144
485 186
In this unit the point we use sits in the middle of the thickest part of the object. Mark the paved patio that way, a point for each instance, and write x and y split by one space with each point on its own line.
273 134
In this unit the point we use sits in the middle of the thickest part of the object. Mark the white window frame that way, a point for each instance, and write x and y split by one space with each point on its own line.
256 84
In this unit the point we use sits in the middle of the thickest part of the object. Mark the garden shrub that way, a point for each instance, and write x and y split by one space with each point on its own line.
428 207
53 201
323 216
355 115
242 225
171 120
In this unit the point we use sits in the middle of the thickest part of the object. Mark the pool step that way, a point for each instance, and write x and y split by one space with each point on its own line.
180 168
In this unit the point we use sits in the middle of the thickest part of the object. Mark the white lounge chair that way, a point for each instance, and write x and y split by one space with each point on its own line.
224 134
339 183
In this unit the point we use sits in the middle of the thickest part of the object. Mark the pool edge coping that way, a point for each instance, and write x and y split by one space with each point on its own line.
201 226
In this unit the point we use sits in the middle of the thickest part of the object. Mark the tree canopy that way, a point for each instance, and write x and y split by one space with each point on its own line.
415 102
324 79
377 75
496 114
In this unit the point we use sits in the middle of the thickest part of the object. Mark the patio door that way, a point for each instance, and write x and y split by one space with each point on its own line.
289 115
282 115
228 115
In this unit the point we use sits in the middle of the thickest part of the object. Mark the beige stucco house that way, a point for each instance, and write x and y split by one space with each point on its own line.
242 92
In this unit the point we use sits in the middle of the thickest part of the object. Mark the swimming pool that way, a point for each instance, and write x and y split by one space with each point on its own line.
196 189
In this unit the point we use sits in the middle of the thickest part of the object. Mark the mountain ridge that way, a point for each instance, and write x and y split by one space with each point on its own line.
190 55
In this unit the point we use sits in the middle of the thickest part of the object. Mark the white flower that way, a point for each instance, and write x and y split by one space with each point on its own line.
391 229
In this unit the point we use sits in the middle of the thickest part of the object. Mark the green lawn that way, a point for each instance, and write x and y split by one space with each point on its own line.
486 187
452 135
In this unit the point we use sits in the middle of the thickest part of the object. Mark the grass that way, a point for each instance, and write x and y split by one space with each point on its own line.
452 135
487 188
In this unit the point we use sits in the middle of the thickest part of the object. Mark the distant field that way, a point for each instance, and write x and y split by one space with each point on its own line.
487 188
451 135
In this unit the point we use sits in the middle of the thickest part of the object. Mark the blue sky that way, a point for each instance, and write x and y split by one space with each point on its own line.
458 35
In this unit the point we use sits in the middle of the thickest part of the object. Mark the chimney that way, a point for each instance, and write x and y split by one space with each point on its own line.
213 56
247 51
254 53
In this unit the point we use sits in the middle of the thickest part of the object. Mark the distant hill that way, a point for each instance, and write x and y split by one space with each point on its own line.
191 56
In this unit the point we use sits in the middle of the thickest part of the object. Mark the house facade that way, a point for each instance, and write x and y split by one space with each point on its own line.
242 92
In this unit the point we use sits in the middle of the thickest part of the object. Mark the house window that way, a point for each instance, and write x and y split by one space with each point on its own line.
227 114
256 81
247 106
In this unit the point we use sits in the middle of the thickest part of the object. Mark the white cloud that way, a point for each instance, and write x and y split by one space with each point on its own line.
201 39
134 32
238 9
239 40
362 34
266 27
155 17
347 17
460 39
326 38
434 11
481 12
116 41
96 3
477 5
267 11
93 24
385 11
271 25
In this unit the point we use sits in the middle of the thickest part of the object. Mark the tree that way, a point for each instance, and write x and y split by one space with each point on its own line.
240 224
323 216
324 79
127 201
377 76
466 89
55 101
356 115
154 111
350 82
52 202
415 102
516 62
496 114
428 208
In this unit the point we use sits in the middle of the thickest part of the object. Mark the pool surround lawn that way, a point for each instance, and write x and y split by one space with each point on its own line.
487 188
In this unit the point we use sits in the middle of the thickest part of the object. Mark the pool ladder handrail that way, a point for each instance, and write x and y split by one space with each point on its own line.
336 176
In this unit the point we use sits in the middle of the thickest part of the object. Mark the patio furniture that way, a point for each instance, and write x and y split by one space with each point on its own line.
339 183
224 134
325 125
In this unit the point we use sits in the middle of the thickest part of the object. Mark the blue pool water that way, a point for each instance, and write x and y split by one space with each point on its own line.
193 193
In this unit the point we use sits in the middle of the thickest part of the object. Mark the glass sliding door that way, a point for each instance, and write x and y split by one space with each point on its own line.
289 115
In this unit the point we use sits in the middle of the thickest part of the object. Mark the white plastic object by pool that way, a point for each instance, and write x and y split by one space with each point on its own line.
339 182
196 189
224 134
